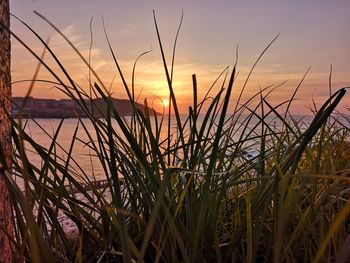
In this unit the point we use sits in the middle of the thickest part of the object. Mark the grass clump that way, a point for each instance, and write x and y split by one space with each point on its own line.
194 196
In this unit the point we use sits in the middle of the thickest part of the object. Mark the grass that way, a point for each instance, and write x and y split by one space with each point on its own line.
193 197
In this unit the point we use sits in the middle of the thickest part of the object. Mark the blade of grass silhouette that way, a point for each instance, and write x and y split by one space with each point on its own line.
252 69
211 166
172 95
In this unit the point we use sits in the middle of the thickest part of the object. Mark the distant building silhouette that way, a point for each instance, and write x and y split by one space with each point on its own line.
68 108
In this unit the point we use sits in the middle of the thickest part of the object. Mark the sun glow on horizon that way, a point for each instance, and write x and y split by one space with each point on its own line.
165 102
201 50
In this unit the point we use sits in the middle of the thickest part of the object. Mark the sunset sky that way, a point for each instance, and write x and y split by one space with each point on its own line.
313 33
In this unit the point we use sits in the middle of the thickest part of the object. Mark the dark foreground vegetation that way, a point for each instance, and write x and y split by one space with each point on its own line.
193 196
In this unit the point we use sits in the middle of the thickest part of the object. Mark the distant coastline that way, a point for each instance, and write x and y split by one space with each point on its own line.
68 108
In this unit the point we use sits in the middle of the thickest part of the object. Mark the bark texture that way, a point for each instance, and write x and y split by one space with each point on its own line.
6 219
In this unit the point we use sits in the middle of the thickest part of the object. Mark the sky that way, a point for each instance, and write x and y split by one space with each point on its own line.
313 33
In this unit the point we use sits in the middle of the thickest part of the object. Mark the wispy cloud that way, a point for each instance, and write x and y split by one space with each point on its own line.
70 57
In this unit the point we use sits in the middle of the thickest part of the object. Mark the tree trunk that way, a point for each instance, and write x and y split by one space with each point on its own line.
6 215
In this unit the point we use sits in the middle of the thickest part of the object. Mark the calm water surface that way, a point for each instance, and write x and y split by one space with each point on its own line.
81 153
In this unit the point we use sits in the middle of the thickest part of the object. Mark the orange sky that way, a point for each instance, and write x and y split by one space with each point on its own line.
313 34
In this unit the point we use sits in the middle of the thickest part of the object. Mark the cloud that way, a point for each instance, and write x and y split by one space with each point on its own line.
70 58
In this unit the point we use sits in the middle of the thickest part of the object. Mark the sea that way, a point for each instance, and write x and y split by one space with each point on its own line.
42 131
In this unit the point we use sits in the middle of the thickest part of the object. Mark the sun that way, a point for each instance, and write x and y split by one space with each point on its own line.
165 102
